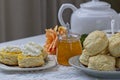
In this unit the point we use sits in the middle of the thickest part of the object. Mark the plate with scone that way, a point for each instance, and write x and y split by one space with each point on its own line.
29 57
100 56
74 61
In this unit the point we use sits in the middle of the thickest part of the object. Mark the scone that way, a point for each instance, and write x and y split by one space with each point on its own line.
95 42
32 56
84 58
9 54
114 45
27 61
102 63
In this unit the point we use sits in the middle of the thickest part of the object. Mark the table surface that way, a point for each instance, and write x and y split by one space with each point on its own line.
57 73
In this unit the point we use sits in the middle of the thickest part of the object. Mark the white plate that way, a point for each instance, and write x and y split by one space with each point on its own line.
74 61
49 64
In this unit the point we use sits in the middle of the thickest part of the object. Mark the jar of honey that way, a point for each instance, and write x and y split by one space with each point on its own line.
68 46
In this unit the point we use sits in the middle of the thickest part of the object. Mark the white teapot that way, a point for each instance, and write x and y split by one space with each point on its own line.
93 15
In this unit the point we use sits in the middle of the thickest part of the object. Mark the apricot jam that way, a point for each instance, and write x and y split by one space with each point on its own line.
67 48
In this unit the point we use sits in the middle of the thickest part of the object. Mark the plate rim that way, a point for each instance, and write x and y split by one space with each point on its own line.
82 67
51 63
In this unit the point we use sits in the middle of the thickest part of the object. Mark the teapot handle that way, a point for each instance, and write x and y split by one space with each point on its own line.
60 12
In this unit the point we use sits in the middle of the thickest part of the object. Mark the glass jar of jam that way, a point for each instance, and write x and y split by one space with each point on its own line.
68 46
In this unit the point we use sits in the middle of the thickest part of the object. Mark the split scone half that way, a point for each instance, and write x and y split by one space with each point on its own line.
96 42
32 56
102 63
30 61
114 45
9 54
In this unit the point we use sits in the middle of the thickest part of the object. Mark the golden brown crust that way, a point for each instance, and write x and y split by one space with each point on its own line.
105 51
102 63
96 42
114 45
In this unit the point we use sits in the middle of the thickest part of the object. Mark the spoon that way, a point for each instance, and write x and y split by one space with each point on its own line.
68 29
112 26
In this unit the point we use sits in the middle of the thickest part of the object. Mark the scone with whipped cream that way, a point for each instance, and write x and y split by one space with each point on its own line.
9 54
32 56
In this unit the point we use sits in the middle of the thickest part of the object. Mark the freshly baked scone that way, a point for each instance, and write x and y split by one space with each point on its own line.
95 42
114 45
32 56
9 54
84 57
102 63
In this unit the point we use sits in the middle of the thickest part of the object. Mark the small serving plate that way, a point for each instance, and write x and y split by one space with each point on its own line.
51 62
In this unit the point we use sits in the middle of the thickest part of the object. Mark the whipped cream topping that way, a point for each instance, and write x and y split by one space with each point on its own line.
32 49
11 48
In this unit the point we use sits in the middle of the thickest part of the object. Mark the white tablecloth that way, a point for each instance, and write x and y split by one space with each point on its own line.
57 73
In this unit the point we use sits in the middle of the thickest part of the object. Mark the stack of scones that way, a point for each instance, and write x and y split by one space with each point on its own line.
100 52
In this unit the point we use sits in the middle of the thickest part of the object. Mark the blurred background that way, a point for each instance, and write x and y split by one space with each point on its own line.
25 18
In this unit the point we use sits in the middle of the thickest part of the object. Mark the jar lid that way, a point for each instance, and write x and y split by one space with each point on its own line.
95 4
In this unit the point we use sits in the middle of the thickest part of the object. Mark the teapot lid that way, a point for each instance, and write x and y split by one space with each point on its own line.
95 4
